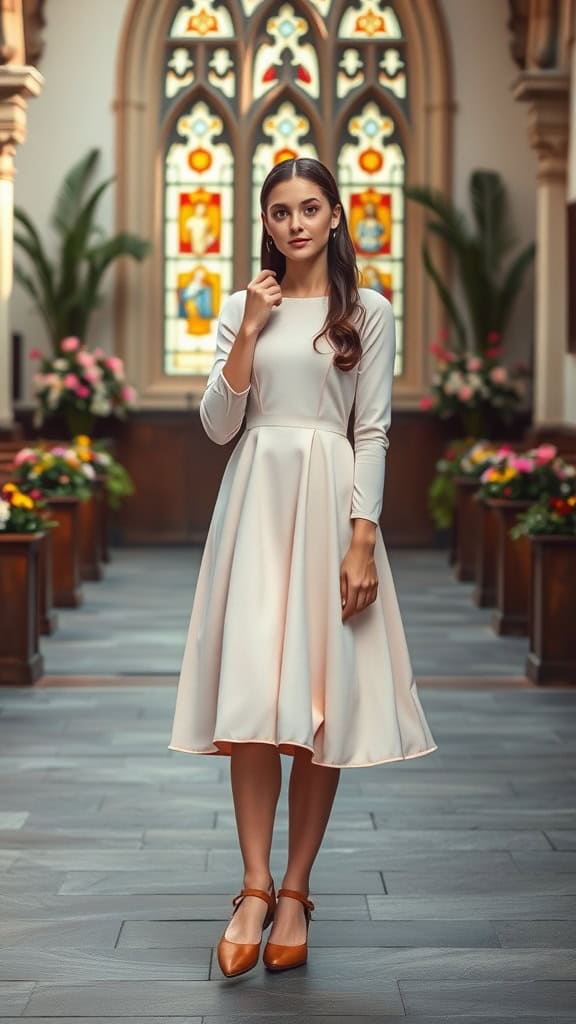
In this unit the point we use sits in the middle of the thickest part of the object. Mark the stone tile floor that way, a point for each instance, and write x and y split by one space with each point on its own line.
445 888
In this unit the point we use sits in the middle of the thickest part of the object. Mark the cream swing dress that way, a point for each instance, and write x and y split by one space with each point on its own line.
267 657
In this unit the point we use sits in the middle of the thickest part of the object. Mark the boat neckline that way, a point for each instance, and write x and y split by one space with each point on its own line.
302 298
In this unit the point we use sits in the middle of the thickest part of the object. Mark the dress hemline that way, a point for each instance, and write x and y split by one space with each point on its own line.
303 746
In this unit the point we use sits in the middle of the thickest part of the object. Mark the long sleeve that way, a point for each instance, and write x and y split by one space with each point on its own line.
221 408
373 403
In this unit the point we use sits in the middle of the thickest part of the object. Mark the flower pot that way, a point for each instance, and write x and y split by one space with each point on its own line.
552 653
467 528
91 537
48 614
486 557
66 564
513 571
21 662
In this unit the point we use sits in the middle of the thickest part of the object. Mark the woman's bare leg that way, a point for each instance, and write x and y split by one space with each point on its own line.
310 797
256 776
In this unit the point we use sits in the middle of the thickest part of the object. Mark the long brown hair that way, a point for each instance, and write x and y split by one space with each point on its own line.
345 312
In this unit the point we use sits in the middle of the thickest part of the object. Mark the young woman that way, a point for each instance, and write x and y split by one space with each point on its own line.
295 643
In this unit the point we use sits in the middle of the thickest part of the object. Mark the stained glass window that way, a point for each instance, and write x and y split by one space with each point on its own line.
371 175
247 84
287 33
198 237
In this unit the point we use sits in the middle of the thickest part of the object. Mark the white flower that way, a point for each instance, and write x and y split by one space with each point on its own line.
4 513
475 381
453 383
60 364
100 405
88 470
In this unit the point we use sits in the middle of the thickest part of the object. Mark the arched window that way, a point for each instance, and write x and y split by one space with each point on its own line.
244 84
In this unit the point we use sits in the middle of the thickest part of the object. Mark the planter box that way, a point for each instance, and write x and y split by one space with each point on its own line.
48 614
66 583
467 518
511 616
91 536
104 518
486 557
21 663
552 656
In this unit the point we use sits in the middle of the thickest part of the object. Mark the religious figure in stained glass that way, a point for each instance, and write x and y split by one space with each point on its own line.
200 222
370 222
199 299
371 277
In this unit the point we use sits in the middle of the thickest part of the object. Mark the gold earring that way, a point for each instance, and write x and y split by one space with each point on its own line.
269 243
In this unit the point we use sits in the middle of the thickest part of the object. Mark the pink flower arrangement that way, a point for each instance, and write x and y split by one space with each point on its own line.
79 382
464 384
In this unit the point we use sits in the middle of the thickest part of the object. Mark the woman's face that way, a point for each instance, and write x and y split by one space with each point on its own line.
299 218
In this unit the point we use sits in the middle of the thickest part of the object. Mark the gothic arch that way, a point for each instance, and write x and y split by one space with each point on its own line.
140 136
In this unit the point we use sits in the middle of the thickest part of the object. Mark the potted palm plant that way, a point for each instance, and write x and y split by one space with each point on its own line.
488 286
66 292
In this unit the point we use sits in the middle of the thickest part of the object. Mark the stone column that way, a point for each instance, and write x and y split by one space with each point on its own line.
547 94
18 81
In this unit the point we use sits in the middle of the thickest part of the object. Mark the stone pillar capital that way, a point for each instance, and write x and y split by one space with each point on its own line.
547 94
17 85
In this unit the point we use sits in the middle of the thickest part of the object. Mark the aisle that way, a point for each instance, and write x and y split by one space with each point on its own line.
445 890
135 621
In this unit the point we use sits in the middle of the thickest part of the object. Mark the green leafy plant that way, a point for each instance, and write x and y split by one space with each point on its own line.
555 516
67 291
489 287
442 490
117 481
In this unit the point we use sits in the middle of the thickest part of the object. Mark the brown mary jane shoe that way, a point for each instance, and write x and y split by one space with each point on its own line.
282 958
238 957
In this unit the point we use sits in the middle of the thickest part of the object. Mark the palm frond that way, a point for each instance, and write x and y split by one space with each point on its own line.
512 284
445 296
490 209
69 199
444 208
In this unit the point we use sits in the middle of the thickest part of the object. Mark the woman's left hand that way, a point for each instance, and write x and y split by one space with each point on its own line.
358 579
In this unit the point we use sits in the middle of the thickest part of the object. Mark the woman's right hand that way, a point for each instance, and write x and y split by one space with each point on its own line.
262 294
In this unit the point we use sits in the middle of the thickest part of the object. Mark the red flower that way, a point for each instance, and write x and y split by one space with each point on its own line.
507 492
561 507
493 337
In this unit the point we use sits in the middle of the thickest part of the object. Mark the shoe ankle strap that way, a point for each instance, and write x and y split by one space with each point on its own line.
268 897
297 896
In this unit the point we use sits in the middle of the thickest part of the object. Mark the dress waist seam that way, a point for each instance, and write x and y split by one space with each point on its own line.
305 422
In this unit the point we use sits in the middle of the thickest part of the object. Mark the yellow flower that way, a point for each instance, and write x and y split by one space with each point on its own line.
22 501
571 501
501 476
482 454
10 488
83 439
